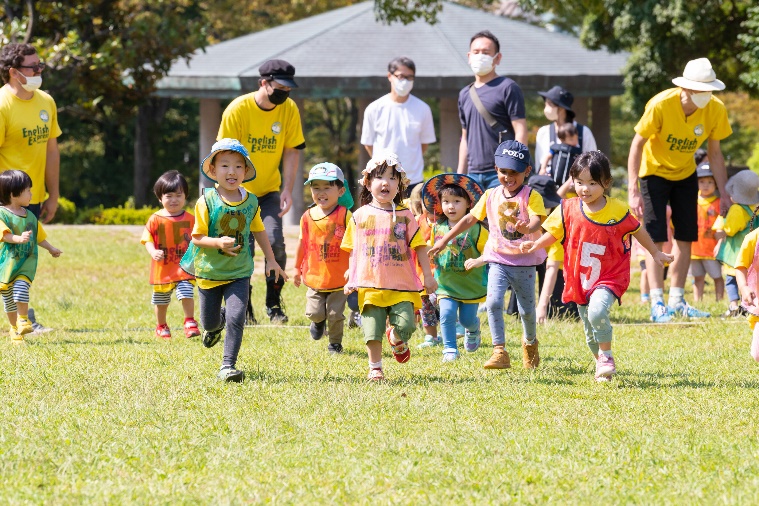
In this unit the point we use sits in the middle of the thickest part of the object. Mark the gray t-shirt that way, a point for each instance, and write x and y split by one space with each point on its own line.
503 99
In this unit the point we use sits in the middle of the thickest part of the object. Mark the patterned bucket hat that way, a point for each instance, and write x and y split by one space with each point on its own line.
385 157
228 145
432 187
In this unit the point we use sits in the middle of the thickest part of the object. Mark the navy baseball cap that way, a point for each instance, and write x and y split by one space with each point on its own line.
279 70
512 155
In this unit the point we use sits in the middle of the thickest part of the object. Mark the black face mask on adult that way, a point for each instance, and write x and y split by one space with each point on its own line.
278 96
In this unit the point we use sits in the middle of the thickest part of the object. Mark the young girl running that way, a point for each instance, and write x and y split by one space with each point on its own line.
21 233
448 198
595 231
382 237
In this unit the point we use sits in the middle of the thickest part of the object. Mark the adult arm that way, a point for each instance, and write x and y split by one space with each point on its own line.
717 164
424 148
463 167
52 181
290 164
520 130
634 199
369 149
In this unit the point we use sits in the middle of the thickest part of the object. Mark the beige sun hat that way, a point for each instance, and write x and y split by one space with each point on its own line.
699 76
384 157
743 188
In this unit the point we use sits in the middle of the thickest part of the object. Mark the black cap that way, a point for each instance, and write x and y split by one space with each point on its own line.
279 70
559 96
546 187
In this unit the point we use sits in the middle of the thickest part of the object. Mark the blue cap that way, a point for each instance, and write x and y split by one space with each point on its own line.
228 145
512 155
327 171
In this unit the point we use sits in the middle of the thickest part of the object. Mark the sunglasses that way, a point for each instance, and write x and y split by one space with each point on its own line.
37 67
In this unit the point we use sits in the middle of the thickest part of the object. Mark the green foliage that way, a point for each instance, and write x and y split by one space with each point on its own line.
66 212
750 57
116 216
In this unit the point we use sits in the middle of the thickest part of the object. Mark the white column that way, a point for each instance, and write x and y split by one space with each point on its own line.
299 205
210 119
450 133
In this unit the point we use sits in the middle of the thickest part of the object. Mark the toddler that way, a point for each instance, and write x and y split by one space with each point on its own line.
22 233
166 237
702 261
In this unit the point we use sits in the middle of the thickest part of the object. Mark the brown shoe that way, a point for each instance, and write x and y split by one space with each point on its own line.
530 355
499 360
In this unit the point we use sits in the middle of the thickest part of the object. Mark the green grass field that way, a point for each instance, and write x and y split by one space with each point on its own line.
101 412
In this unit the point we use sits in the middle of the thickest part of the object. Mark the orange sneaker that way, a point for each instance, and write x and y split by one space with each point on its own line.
530 355
499 359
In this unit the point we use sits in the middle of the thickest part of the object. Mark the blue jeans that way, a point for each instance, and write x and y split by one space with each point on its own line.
486 179
467 315
522 282
595 318
731 286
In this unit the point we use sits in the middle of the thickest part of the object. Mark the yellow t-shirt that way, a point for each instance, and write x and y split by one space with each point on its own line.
201 228
673 138
383 298
41 236
25 128
612 212
265 134
535 206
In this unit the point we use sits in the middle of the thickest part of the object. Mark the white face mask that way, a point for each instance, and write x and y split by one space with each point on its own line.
551 112
701 100
481 64
402 87
33 83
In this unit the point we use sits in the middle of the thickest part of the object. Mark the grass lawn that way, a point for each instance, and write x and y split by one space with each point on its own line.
102 412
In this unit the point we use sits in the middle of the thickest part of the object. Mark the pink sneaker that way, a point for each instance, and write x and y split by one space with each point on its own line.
605 368
375 375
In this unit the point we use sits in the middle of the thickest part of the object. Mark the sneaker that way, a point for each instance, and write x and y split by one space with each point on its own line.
230 375
430 341
460 330
15 337
401 351
211 337
191 328
499 360
659 313
276 315
734 312
530 355
450 355
472 341
605 368
354 320
24 326
317 329
685 309
38 327
335 348
163 331
375 375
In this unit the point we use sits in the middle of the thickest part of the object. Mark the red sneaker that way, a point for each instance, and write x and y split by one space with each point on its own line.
401 351
191 328
163 331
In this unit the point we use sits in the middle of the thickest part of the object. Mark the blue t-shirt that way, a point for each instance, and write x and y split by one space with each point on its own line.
503 99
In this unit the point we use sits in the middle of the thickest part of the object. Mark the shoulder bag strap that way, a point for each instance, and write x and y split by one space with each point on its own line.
481 108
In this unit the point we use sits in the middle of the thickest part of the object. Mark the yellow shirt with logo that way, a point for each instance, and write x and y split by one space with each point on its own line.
265 134
25 128
673 138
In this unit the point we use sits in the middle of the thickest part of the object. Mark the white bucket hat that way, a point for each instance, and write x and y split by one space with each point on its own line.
743 188
699 76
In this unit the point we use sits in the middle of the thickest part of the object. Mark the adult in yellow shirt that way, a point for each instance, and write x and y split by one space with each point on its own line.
267 122
28 132
675 124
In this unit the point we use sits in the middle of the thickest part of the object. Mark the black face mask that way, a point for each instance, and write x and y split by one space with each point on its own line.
278 96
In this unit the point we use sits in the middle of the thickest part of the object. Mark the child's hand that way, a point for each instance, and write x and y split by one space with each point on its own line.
273 267
297 278
157 255
430 284
349 289
748 297
25 236
522 226
226 243
55 252
540 313
662 258
436 248
720 234
473 263
527 246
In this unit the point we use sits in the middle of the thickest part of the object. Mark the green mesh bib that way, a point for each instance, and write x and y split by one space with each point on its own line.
18 259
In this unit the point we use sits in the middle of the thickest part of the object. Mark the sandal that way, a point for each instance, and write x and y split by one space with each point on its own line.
191 328
401 351
375 375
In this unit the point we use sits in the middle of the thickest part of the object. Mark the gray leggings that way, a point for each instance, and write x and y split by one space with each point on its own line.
269 205
235 295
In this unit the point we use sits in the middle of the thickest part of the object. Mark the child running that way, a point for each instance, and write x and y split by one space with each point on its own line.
746 266
448 198
382 237
219 256
514 212
320 264
166 237
595 231
22 233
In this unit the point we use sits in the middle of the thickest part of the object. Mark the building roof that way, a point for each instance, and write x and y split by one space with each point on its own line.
345 52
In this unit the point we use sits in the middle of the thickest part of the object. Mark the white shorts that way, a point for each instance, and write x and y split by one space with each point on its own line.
701 267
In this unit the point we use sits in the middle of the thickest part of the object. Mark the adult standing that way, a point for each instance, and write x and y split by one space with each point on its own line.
267 122
674 125
29 131
491 111
400 122
558 110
